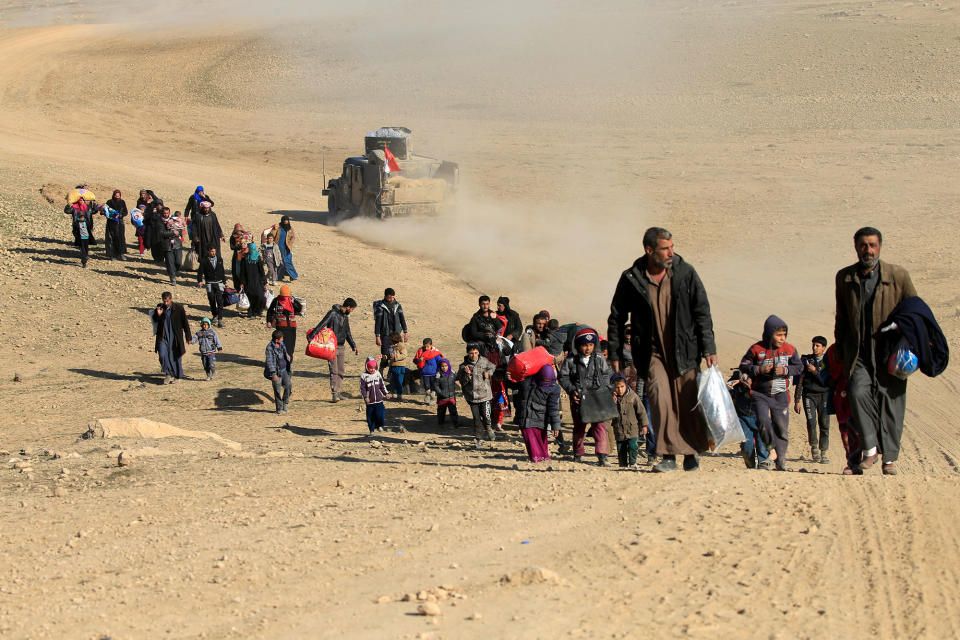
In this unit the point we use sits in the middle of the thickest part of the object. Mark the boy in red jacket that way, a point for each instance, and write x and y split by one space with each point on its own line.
771 364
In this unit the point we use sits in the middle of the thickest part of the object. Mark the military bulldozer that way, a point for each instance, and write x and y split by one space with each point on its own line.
368 187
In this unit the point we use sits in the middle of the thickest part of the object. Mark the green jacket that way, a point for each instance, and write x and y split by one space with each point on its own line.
894 286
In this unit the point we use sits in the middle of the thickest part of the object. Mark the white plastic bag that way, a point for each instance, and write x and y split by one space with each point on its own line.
243 302
303 306
716 407
269 297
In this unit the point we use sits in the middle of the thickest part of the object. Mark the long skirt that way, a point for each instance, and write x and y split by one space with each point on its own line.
114 240
537 444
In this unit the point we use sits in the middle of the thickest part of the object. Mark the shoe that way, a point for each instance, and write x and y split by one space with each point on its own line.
748 459
426 398
766 465
336 398
635 467
565 449
478 445
279 411
123 258
889 469
84 265
691 462
823 458
286 407
499 428
209 378
782 466
669 463
815 454
219 323
381 429
578 458
869 461
166 379
173 380
602 460
173 282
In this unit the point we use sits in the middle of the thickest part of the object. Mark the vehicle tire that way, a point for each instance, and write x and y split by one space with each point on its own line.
331 206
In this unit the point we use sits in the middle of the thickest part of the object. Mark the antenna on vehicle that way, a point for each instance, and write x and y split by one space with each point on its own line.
323 165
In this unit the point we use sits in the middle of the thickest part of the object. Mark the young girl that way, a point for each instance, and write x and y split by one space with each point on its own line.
445 386
500 405
542 414
373 391
398 358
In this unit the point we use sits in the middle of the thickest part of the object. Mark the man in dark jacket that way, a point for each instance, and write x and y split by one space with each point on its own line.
662 298
192 208
812 392
172 335
338 320
210 273
483 329
867 293
513 326
206 231
388 318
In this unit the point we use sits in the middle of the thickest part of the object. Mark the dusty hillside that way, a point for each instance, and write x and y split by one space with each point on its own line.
761 134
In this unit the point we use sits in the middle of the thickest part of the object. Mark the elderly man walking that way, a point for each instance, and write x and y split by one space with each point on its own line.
663 300
867 293
172 335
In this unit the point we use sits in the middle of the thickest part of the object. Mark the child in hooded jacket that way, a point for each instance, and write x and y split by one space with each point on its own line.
631 422
445 386
541 414
374 392
209 343
771 364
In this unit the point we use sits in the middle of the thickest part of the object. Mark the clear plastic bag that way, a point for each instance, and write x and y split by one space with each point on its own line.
716 407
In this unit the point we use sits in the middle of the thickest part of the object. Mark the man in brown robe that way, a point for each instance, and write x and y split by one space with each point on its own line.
662 298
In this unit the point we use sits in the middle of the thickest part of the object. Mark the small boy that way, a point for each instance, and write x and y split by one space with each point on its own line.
277 370
754 452
398 368
771 364
271 256
427 360
474 378
209 346
630 423
445 388
813 392
586 371
374 391
605 349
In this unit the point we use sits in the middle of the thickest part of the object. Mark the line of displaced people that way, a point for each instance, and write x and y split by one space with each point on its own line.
642 379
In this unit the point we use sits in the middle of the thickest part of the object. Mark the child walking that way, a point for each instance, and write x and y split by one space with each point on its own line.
542 414
586 371
427 360
398 368
631 422
271 257
771 364
474 378
500 404
445 387
374 391
209 346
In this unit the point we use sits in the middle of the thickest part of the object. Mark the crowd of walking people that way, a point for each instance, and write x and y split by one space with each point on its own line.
641 378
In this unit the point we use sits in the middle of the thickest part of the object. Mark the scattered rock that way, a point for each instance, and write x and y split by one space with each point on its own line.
408 597
59 492
428 609
16 377
375 444
384 599
434 527
532 575
124 459
475 616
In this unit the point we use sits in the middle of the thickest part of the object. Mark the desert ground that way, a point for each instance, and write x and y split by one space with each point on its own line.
761 133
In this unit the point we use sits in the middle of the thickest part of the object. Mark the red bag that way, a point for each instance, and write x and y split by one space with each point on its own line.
323 345
528 363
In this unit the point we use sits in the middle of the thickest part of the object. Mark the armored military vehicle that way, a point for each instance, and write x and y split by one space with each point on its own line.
415 186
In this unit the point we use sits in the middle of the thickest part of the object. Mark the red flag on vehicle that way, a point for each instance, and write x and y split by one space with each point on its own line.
392 164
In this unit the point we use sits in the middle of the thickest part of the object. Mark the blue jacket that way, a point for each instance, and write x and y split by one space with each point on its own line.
276 361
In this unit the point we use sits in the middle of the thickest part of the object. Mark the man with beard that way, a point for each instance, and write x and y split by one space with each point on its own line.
662 298
285 238
867 293
206 229
483 328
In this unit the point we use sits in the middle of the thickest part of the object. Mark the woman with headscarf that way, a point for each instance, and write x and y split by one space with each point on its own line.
542 413
236 241
285 239
116 211
253 280
282 315
152 209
